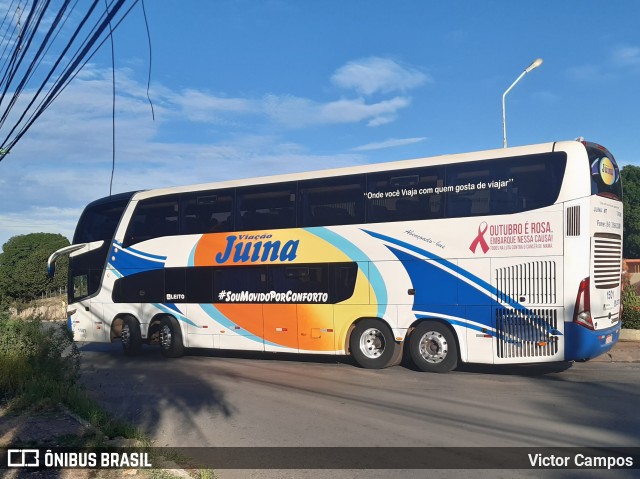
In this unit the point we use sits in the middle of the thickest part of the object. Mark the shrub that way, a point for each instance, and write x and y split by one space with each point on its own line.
39 360
630 309
39 369
631 317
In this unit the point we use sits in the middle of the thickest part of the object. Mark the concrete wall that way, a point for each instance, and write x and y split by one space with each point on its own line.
49 309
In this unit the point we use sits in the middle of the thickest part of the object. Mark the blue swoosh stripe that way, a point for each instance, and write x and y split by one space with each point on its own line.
352 251
478 281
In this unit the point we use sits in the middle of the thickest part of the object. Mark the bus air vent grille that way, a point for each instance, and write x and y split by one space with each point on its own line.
607 260
526 333
573 221
531 283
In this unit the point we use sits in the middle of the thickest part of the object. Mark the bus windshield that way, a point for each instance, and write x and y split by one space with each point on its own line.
98 222
100 219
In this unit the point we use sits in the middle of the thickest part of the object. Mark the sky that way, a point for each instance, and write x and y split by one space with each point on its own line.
249 88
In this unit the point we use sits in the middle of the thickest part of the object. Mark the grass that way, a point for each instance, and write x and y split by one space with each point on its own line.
39 371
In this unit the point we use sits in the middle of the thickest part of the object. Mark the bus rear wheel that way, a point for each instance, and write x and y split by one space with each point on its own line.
372 345
433 348
171 345
131 336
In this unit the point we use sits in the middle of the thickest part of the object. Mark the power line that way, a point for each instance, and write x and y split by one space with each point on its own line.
39 60
113 106
146 24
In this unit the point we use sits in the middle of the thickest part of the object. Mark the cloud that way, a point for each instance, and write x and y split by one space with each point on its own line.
390 143
64 160
374 74
42 219
590 73
202 106
297 112
622 60
626 56
44 192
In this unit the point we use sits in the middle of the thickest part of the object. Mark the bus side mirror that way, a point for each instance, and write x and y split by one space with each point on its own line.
51 262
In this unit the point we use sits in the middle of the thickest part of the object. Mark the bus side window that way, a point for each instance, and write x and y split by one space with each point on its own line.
153 218
303 278
206 211
199 284
467 199
403 195
332 201
238 279
343 281
266 207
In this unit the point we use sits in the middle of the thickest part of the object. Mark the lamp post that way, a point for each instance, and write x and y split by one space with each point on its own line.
536 63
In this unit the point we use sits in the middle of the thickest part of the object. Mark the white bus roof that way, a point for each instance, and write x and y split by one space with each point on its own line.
367 168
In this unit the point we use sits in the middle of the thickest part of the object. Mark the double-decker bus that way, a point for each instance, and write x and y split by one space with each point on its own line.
497 257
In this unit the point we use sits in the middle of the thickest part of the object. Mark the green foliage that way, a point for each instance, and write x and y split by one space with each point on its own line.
38 362
77 400
23 266
39 369
5 302
631 183
630 301
630 309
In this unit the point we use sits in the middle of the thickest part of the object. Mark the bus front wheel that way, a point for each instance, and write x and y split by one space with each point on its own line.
171 345
372 344
433 348
131 336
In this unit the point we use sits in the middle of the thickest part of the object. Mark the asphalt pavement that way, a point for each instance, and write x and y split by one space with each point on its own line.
626 350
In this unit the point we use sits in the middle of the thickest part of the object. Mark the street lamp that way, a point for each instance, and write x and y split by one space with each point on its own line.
536 63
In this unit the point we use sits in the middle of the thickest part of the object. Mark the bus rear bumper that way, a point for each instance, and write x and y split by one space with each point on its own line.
582 343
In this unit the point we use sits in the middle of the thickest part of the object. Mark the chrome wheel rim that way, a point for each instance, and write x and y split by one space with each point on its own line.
433 347
125 335
165 337
372 343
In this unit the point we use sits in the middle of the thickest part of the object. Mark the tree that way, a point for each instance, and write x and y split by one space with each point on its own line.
631 183
23 266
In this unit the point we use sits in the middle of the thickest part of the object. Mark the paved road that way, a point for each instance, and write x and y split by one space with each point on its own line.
214 399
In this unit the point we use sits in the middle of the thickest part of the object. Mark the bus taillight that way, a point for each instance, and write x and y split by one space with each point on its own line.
582 311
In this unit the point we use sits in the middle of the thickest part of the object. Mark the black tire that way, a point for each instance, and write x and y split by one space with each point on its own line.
433 347
372 344
171 345
131 336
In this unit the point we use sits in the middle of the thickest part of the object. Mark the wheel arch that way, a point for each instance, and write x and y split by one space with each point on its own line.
154 322
118 322
175 337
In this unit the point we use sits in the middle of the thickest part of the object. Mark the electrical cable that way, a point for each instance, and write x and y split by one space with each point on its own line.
32 48
4 41
113 105
23 81
52 71
46 79
70 73
146 23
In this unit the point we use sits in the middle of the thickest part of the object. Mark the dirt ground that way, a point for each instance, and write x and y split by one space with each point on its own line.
59 429
48 429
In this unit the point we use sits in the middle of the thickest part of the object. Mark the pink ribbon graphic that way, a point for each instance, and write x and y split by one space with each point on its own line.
482 229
